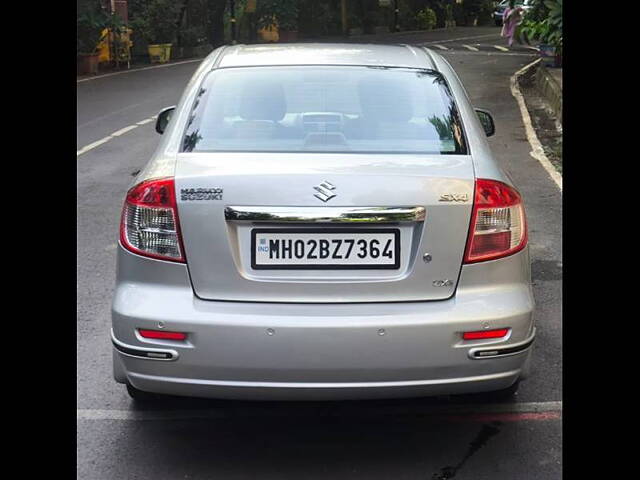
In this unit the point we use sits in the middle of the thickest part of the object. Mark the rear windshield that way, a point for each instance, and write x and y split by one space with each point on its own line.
324 109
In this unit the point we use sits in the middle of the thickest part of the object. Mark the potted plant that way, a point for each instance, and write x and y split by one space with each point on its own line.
280 13
90 22
156 23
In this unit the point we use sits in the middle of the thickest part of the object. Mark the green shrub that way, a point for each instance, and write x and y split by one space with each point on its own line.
426 19
193 36
407 19
90 21
283 13
155 21
547 31
459 14
485 13
479 10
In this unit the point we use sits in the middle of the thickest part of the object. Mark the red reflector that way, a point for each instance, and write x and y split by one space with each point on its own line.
485 334
162 335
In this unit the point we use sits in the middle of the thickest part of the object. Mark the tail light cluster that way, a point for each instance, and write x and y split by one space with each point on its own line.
150 225
498 224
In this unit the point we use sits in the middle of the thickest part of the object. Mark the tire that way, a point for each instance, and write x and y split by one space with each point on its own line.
141 396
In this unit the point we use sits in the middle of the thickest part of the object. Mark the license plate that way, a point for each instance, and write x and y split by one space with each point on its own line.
325 248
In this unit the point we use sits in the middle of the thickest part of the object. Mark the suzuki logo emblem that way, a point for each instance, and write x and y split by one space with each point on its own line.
324 191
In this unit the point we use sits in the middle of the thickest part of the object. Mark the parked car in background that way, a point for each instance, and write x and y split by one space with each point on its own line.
526 5
322 221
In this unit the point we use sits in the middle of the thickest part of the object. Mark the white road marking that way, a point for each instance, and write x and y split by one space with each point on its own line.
502 49
459 38
531 48
86 148
115 134
123 130
469 47
136 415
537 151
440 47
489 54
138 70
102 117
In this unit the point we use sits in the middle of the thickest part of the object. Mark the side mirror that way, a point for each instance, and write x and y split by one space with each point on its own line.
485 119
163 119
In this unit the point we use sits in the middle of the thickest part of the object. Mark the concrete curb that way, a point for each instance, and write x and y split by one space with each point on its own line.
138 69
537 151
550 89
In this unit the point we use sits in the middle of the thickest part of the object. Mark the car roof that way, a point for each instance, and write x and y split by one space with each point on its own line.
325 54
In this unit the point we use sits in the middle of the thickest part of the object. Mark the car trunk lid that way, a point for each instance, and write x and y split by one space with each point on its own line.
224 198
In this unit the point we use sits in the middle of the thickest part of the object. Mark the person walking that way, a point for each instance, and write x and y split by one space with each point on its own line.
511 18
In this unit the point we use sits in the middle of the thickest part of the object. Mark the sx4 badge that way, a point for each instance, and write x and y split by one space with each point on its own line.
189 194
454 197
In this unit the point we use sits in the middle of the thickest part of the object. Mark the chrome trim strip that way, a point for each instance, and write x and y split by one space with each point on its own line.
138 352
324 214
502 350
321 385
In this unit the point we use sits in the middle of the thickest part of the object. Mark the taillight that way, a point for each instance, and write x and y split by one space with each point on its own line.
150 225
498 224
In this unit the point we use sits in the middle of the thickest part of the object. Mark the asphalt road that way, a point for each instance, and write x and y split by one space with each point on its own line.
412 439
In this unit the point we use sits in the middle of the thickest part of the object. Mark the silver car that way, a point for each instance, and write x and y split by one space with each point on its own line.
322 221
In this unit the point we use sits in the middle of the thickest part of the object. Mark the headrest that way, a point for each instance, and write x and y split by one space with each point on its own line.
385 100
263 101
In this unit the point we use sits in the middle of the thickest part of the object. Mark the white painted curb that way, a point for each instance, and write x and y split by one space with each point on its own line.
164 65
537 151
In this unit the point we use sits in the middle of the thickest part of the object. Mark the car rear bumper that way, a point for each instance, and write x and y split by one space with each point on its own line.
259 390
249 350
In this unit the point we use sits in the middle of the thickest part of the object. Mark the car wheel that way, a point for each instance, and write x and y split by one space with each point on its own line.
141 396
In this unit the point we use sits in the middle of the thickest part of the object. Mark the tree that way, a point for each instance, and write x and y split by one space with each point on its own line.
546 30
154 20
283 13
183 10
215 21
90 21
